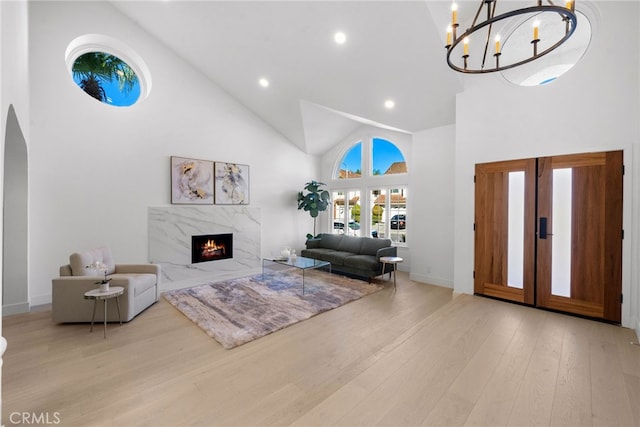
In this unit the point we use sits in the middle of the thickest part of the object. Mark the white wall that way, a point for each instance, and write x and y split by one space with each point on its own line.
95 169
635 247
14 72
432 204
594 107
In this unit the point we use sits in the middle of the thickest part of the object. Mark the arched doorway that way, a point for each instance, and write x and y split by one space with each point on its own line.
15 294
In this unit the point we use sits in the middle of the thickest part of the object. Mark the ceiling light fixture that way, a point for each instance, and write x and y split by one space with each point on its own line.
263 82
389 104
553 25
340 37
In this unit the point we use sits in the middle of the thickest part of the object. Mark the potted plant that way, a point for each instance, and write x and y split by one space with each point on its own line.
316 200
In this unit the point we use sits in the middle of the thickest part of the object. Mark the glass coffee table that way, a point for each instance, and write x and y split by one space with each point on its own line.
299 262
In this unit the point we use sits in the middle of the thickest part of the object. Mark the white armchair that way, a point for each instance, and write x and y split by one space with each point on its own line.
140 282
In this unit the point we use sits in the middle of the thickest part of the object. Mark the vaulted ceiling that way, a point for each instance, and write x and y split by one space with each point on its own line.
319 91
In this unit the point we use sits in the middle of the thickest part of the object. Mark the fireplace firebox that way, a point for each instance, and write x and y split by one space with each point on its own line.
211 247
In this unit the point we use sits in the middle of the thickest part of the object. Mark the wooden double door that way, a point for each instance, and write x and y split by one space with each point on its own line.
548 232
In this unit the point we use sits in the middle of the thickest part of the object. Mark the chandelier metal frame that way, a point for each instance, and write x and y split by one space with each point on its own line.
567 14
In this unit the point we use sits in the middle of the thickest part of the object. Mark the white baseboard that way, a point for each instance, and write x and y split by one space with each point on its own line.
438 281
40 299
9 309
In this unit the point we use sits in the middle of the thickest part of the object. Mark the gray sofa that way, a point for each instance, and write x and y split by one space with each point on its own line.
357 256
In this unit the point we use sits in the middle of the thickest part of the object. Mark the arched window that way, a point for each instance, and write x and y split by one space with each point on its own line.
351 164
373 202
387 159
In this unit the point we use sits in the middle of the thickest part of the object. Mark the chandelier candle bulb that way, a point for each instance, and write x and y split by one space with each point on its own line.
454 13
512 19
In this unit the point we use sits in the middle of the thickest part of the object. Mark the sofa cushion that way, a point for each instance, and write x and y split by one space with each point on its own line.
363 262
370 245
330 241
350 244
329 255
139 282
313 243
336 257
80 260
316 253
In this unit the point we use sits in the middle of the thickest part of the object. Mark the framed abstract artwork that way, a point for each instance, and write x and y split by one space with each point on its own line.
191 181
231 183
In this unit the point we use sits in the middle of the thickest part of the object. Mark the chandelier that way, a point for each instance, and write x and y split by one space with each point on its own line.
471 52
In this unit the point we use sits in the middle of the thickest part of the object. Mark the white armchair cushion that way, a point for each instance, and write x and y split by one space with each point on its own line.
80 260
139 282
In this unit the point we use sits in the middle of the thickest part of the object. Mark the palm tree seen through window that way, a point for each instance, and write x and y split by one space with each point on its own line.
106 78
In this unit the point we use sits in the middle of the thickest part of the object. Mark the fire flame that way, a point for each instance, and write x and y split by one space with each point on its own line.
212 248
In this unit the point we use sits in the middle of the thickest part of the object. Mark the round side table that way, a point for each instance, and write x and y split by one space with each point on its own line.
393 260
98 295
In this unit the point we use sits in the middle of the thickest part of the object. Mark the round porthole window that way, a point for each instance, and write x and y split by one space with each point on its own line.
106 78
551 66
107 70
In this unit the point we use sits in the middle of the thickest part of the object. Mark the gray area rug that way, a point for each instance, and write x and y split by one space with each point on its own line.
237 311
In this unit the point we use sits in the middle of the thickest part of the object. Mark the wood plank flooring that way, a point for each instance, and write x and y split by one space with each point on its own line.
416 356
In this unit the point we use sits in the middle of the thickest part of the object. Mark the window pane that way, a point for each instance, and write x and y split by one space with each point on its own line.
378 213
338 212
353 228
346 213
351 163
387 158
398 212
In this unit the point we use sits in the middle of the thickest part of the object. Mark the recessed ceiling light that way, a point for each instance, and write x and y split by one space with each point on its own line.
389 104
263 82
340 37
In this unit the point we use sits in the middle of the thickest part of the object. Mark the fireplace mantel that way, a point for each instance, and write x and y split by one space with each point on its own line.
170 231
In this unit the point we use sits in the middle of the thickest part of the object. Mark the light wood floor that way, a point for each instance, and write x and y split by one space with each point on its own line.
418 356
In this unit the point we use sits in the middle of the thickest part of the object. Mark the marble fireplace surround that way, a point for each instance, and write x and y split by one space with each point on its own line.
170 231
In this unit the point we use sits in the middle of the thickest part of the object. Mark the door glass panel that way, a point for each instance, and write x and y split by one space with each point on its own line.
515 240
561 229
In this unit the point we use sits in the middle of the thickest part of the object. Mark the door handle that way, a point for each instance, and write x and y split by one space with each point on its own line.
542 228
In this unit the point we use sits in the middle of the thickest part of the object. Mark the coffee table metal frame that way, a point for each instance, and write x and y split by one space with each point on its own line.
299 262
